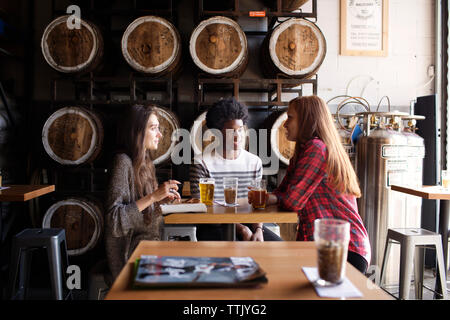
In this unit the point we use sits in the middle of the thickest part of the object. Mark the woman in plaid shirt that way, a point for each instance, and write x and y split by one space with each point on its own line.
320 181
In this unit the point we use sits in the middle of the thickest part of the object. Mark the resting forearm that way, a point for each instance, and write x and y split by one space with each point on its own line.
144 202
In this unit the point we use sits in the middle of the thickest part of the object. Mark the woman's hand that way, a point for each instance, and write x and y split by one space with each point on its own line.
167 190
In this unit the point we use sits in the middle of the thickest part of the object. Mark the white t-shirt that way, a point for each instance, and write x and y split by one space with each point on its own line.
245 167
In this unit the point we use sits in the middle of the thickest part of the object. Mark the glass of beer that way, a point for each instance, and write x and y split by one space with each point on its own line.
230 188
207 191
258 192
445 179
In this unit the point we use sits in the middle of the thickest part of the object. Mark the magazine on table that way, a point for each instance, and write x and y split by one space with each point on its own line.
178 271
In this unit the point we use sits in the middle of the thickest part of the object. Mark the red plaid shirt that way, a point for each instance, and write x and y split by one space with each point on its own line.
306 189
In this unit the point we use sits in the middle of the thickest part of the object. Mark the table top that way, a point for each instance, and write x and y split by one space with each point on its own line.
426 192
24 192
244 213
281 260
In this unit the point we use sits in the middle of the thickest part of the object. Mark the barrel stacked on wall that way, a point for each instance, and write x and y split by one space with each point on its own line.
152 45
218 46
168 125
82 219
277 138
73 135
72 50
295 48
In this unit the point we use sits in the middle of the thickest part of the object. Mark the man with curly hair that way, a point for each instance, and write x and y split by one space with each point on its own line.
229 160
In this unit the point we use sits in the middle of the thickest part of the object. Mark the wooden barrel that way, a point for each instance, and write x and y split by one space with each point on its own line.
73 135
82 220
200 138
72 50
152 45
218 46
280 145
295 48
286 5
168 124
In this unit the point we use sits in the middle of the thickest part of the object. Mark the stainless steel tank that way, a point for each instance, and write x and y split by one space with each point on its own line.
387 155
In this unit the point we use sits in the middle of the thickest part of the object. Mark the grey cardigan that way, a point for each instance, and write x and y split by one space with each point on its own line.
124 224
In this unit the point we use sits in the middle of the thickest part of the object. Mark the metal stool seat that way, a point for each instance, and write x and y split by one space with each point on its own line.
54 240
413 242
179 232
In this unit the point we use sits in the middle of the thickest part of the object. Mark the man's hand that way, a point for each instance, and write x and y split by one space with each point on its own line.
258 235
245 232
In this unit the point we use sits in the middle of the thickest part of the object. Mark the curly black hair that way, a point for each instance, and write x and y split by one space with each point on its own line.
225 110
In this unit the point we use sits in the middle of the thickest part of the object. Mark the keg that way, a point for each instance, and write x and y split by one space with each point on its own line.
82 220
280 145
152 45
218 46
295 48
383 158
168 124
73 135
72 50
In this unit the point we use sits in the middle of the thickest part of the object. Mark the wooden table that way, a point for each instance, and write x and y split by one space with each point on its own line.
434 193
24 192
282 262
244 213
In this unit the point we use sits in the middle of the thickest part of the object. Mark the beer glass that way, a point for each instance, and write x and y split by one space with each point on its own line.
230 189
207 191
445 179
258 190
331 237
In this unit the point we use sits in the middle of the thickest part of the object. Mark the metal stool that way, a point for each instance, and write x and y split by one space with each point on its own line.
412 242
54 240
179 232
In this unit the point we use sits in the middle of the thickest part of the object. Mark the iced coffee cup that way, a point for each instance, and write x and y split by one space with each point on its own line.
230 188
331 237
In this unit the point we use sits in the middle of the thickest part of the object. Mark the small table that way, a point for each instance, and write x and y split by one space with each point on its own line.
282 262
24 192
436 193
244 213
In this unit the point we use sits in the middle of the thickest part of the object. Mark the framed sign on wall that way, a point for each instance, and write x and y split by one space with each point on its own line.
364 28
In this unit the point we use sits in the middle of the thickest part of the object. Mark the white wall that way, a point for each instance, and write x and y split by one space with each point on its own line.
402 75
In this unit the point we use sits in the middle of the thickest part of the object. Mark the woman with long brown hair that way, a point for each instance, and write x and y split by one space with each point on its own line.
133 196
320 181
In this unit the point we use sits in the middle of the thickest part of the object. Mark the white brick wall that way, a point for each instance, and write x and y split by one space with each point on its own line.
401 75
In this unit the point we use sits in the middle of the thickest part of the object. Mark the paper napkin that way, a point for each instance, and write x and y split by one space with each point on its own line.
344 290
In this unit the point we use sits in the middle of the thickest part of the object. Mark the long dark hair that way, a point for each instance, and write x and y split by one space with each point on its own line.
131 141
